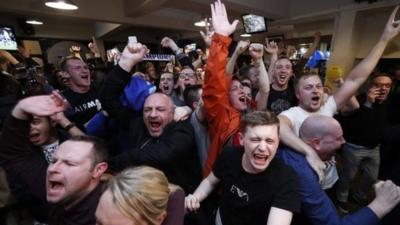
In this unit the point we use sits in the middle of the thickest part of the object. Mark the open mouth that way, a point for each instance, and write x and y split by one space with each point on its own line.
242 99
85 77
55 185
166 88
155 125
260 158
282 77
315 99
34 135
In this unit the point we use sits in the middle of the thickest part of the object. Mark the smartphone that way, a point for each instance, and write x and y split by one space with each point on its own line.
132 39
191 47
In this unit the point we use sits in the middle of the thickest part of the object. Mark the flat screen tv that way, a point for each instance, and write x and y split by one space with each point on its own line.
254 24
8 40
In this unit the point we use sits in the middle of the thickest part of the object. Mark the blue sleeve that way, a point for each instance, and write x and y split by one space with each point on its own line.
98 125
315 203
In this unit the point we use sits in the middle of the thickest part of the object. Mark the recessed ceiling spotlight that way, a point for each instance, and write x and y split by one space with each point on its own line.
34 22
245 35
201 23
61 4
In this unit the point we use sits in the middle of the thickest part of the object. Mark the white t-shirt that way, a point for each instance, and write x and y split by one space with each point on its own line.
297 115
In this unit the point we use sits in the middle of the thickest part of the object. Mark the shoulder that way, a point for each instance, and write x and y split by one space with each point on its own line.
291 112
294 160
280 166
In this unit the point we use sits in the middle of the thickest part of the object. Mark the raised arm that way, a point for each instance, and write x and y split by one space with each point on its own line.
118 78
192 201
240 48
351 105
42 105
215 90
272 48
360 73
256 53
311 50
9 57
207 33
67 125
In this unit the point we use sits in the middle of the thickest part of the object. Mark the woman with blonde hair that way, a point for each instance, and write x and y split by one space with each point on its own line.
141 195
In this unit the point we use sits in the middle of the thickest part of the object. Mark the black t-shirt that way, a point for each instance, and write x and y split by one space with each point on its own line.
247 198
365 126
83 106
279 101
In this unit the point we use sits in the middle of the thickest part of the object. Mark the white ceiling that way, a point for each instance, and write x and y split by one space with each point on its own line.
108 18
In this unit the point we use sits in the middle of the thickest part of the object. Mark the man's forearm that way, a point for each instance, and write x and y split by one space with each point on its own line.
230 67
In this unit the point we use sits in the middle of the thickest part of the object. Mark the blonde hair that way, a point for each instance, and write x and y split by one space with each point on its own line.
141 192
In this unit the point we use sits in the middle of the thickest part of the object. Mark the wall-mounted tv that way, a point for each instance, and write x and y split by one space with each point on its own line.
254 24
8 40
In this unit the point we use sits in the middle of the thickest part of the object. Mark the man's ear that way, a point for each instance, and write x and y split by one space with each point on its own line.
99 169
241 138
315 144
195 104
296 92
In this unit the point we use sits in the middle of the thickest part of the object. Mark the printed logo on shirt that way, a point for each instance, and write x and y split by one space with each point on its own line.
241 194
280 105
88 105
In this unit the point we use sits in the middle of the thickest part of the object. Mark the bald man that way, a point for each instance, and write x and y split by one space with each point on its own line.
154 138
325 136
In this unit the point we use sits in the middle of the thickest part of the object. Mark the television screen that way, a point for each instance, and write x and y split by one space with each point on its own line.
8 40
254 24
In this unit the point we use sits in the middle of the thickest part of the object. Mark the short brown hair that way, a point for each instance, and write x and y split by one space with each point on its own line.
99 148
258 118
303 77
64 61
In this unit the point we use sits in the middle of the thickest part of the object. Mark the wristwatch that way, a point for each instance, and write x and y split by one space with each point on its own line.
69 126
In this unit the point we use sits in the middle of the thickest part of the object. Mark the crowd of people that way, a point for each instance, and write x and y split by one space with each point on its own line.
202 141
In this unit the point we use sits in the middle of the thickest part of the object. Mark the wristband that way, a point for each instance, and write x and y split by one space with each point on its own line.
69 126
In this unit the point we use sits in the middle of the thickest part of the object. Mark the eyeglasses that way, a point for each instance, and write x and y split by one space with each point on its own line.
186 75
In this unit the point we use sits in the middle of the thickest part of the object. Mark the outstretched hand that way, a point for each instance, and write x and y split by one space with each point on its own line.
167 42
271 47
392 27
207 35
93 47
133 53
317 165
42 105
220 19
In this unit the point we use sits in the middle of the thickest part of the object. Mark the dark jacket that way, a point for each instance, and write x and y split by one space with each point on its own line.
26 165
174 152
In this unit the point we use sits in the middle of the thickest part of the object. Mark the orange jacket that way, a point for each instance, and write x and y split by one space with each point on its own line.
223 119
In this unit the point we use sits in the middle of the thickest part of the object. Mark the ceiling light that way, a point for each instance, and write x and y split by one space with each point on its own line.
61 4
201 23
245 35
34 22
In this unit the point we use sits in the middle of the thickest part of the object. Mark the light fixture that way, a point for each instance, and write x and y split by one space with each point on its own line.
61 4
245 35
201 23
34 22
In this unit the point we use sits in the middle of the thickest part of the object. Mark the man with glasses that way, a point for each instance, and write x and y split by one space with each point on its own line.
186 77
364 132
